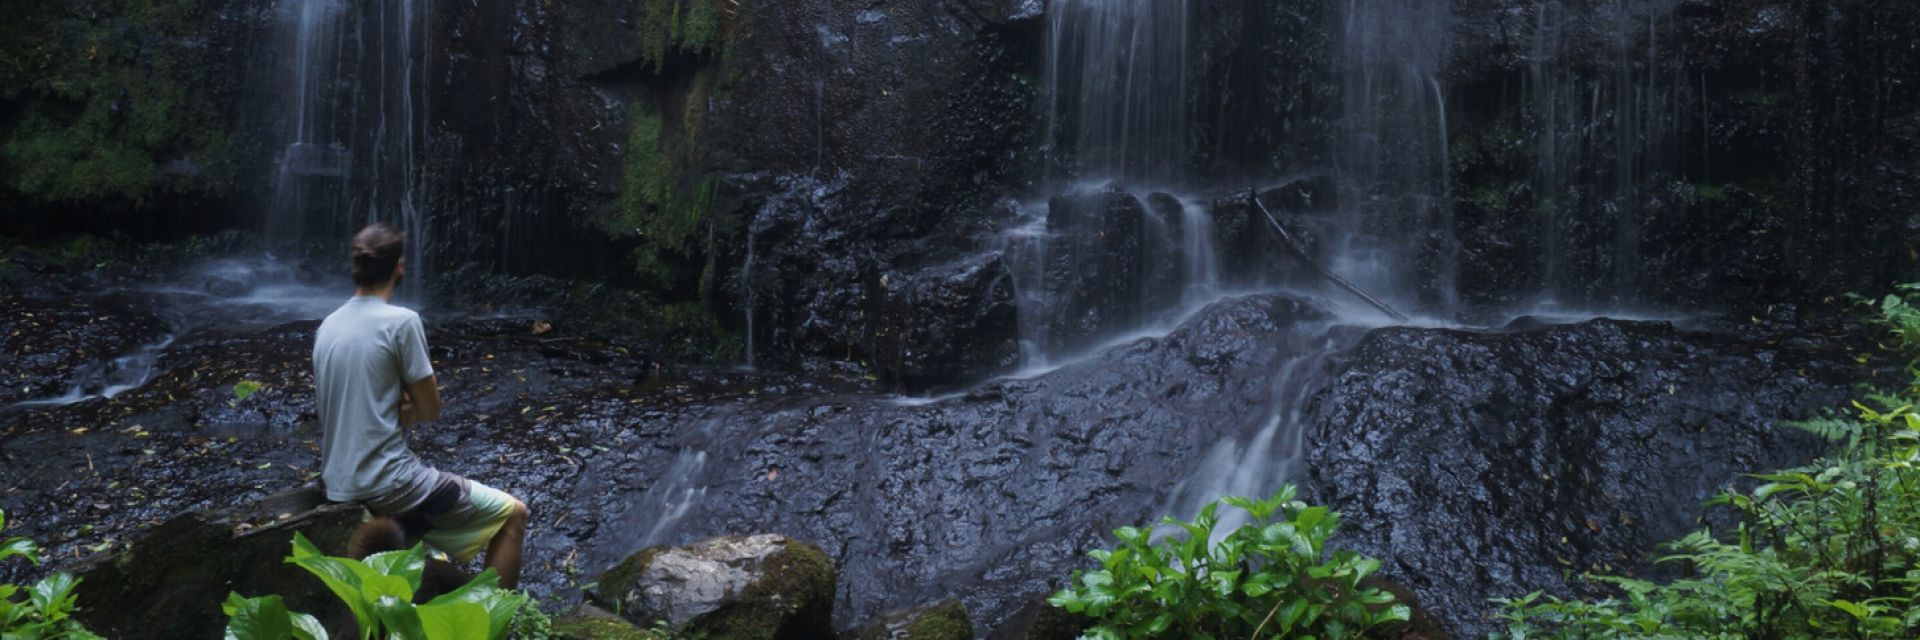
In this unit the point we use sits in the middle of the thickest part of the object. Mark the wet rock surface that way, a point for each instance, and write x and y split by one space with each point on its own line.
1481 465
762 587
171 582
991 496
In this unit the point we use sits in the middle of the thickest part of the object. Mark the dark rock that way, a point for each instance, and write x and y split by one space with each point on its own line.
169 582
945 621
749 587
1480 465
1095 268
1041 621
947 324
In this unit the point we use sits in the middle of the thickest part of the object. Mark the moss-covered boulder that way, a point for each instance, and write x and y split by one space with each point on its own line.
745 587
589 622
169 583
945 621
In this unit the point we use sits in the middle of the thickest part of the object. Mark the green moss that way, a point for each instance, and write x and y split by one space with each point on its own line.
945 621
664 200
1710 192
599 629
686 27
607 589
111 93
799 585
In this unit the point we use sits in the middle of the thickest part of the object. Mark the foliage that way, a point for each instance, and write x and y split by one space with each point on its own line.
1826 550
244 389
112 94
664 199
530 623
1271 576
46 611
379 591
687 27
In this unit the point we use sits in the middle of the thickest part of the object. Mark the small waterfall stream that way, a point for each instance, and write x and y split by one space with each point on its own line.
350 108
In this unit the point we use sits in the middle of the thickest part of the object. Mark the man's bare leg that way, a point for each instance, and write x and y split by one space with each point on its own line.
503 552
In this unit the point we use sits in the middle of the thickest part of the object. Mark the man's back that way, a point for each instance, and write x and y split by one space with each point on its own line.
363 355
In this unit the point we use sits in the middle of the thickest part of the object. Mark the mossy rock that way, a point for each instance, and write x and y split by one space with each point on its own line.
593 623
746 587
1039 620
170 581
945 621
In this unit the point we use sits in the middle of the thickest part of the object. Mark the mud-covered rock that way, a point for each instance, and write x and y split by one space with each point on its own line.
944 621
1480 465
763 586
169 582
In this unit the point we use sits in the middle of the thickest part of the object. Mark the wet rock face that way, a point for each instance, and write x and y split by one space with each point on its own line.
947 323
751 587
1094 266
843 161
1480 465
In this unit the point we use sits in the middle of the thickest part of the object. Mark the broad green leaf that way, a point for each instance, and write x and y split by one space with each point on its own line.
339 577
454 621
262 618
406 564
400 618
21 547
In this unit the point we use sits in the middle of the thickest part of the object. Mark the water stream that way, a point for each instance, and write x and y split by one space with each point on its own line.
350 107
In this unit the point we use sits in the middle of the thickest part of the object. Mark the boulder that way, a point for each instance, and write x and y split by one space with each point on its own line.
945 621
749 587
589 622
1041 621
1477 465
169 582
946 324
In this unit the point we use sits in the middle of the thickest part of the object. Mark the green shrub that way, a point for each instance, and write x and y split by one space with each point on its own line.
379 591
43 611
1826 550
1271 576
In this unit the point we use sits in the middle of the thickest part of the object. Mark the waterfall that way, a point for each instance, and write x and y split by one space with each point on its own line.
1600 133
350 113
1116 79
1114 250
1272 451
1391 158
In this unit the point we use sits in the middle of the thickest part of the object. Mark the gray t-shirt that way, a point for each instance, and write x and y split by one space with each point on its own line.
364 354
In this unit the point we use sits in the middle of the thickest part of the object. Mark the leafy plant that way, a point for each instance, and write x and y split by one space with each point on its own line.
46 612
1827 550
379 591
242 390
1272 576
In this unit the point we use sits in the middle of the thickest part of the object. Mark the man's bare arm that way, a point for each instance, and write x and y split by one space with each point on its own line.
423 399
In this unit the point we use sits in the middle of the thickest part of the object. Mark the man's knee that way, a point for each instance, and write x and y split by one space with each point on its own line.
520 512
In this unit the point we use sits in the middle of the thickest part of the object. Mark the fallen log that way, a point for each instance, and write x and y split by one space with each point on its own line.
1300 252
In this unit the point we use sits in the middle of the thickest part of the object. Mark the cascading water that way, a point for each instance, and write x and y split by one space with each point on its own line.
1103 257
1396 229
351 113
1601 133
1116 73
